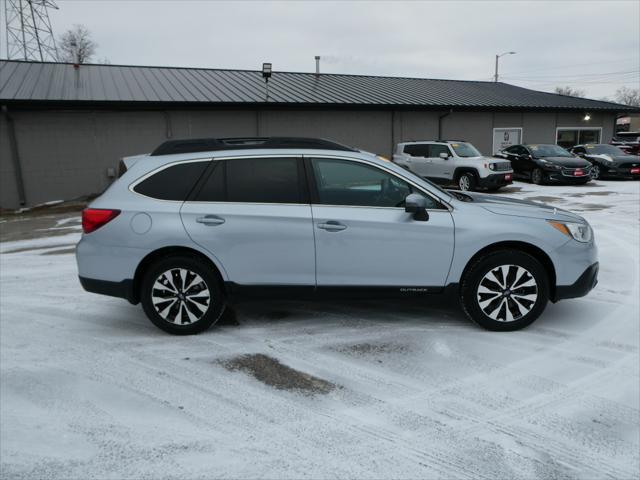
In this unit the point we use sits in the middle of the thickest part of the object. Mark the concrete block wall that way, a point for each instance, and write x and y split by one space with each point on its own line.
65 153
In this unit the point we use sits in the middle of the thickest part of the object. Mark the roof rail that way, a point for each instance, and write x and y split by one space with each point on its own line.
189 145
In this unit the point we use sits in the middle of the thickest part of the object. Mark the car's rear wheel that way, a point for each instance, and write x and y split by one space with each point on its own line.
537 176
181 295
595 172
467 182
505 290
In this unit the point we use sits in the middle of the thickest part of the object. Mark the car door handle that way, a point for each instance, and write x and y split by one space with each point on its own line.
210 220
332 226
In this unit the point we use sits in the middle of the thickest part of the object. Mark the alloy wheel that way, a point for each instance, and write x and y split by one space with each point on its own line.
595 172
507 293
180 296
536 176
464 183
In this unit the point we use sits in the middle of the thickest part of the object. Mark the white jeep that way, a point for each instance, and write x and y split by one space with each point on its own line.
453 162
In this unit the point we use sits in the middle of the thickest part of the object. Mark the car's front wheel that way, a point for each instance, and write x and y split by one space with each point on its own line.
537 176
505 290
595 172
181 295
467 182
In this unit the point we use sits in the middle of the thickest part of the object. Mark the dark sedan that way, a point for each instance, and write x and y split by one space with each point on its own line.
544 163
608 161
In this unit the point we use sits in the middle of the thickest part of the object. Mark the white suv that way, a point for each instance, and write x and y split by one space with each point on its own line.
453 162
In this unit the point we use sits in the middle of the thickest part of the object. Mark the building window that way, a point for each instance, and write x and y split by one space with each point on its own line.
568 137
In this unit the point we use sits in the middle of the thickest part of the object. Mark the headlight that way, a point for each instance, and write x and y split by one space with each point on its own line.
549 166
492 166
580 232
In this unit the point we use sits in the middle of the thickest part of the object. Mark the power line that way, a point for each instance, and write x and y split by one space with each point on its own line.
560 67
578 75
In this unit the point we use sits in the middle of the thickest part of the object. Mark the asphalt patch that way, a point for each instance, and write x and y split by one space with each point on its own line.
591 194
228 318
62 251
271 372
590 207
544 199
374 348
35 249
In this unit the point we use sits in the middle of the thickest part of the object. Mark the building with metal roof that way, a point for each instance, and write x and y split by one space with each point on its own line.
64 126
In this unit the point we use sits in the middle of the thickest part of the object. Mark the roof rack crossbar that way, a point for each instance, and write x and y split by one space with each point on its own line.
190 145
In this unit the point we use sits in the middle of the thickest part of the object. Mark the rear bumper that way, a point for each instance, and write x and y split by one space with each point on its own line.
583 285
123 289
496 180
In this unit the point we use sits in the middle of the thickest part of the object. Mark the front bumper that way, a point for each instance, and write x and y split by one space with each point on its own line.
558 176
496 180
583 285
619 172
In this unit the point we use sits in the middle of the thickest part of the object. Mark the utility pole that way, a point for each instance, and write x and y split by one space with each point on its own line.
495 76
29 35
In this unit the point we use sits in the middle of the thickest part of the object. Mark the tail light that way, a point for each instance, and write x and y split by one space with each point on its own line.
94 218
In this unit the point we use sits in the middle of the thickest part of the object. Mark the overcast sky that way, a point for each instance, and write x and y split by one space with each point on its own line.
591 45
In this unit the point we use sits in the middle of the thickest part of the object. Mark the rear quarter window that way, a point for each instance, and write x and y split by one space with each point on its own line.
172 183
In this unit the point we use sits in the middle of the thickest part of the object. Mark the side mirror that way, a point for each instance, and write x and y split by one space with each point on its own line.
417 205
444 156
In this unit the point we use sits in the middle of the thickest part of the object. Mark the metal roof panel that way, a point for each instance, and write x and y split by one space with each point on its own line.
27 81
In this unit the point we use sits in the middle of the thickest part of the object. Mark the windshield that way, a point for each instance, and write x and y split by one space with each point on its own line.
604 149
627 137
465 150
541 151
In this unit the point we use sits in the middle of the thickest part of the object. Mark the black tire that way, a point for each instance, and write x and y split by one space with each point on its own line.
537 176
596 173
467 182
187 308
529 310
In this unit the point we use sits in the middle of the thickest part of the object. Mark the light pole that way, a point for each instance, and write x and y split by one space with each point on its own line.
495 76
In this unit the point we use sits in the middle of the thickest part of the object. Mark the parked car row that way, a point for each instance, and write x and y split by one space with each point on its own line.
629 142
459 163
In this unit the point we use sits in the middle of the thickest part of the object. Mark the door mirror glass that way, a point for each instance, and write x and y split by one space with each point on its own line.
417 205
444 156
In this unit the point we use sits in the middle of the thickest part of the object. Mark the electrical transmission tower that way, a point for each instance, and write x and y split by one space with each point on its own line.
28 30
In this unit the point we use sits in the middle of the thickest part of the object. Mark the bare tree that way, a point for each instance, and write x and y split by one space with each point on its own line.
76 45
628 96
570 91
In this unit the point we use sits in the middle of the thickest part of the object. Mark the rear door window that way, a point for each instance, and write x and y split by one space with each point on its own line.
255 180
417 150
172 183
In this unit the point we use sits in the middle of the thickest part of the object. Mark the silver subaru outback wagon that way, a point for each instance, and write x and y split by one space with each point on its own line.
199 224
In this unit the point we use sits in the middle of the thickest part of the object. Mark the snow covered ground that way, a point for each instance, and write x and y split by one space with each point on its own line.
90 388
